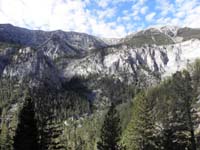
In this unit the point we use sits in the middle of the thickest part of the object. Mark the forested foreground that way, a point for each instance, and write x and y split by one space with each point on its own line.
163 117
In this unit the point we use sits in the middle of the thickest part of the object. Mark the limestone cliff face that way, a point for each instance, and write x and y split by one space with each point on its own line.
154 53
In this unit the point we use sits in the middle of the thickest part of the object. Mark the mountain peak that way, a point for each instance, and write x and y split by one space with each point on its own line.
73 53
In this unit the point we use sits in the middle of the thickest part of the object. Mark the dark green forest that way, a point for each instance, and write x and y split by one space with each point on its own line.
165 116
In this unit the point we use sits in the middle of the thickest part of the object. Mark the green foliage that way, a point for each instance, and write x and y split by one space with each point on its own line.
50 133
26 137
141 40
163 117
194 68
110 131
5 138
50 128
183 87
84 130
4 45
141 131
82 133
8 93
175 111
109 85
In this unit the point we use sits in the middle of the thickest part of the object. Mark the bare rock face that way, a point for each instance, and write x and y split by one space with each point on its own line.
27 63
129 61
154 53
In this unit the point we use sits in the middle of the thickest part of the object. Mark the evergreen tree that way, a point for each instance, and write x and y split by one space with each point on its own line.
50 129
182 85
194 68
178 118
5 139
174 134
110 131
141 131
26 136
51 132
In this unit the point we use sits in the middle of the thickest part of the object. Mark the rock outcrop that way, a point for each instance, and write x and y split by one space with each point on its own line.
154 53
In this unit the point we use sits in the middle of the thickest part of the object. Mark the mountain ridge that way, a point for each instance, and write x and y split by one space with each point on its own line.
153 52
71 79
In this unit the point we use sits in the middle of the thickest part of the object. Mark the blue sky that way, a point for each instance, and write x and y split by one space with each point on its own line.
105 18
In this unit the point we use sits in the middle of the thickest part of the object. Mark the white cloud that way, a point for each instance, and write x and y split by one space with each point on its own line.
136 18
121 1
107 29
165 7
107 13
138 7
58 14
183 13
126 18
135 13
150 16
103 3
104 18
192 18
180 14
125 12
143 10
187 6
179 1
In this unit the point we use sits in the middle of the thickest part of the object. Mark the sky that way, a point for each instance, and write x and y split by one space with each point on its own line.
104 18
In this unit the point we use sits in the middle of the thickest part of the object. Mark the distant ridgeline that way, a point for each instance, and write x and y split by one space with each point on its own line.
73 91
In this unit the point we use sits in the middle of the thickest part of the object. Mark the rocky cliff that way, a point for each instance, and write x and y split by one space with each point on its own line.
57 55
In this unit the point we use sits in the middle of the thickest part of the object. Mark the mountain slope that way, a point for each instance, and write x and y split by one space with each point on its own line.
73 77
151 54
39 39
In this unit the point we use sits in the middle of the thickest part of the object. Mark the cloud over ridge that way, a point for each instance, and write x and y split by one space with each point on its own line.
105 18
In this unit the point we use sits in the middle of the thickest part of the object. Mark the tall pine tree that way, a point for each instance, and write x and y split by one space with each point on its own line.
141 131
50 127
182 85
111 131
26 136
5 138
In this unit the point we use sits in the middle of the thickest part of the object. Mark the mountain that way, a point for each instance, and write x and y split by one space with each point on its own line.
72 78
154 52
36 38
141 59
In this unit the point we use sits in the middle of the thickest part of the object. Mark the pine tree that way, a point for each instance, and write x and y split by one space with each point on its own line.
50 129
110 131
195 71
51 133
26 136
178 122
182 85
141 131
174 134
5 139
